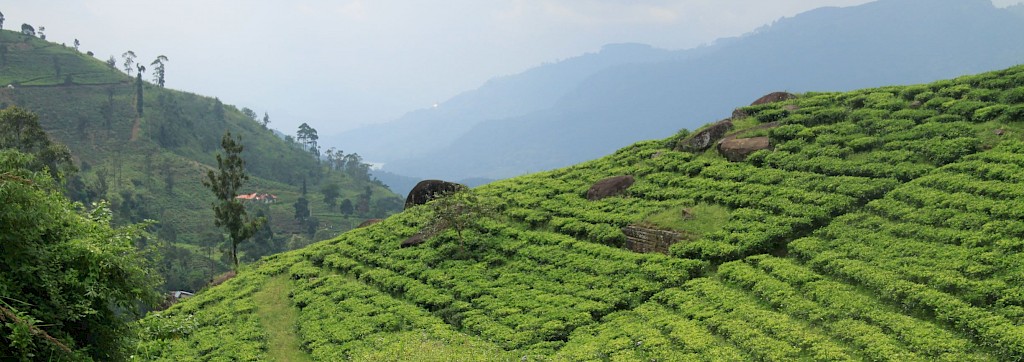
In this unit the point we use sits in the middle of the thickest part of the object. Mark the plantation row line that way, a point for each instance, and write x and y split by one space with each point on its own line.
946 246
773 309
525 290
344 319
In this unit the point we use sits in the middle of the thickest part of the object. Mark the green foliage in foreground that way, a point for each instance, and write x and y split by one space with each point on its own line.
885 224
69 281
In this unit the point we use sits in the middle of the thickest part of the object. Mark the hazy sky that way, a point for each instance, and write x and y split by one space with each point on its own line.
339 64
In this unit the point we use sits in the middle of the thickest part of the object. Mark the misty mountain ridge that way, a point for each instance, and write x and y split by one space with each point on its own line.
499 98
883 42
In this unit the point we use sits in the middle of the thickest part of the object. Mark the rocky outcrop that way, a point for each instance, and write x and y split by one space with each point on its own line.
646 240
427 190
774 97
369 222
706 138
759 127
414 240
610 187
738 149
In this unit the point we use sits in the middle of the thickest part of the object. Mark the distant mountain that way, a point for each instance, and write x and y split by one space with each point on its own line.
535 89
884 42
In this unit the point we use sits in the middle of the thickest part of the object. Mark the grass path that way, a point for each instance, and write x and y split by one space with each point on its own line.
278 317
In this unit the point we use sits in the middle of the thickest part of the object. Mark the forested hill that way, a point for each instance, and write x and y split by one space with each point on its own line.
146 155
879 224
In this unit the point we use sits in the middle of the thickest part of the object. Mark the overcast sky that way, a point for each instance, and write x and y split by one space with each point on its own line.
339 64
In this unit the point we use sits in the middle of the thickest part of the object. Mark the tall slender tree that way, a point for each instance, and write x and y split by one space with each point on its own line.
225 183
1 21
308 137
138 88
158 70
129 60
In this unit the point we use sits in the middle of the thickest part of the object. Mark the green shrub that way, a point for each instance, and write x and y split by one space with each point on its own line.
1013 96
989 113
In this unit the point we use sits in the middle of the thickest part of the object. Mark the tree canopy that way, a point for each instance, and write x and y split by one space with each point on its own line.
225 183
158 69
28 29
20 130
69 281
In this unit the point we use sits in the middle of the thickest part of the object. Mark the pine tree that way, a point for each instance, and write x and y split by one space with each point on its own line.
225 183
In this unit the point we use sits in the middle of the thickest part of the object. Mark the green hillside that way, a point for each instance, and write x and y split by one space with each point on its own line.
150 165
886 224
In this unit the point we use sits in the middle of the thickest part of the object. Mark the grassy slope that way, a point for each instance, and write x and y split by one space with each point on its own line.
128 149
278 318
894 232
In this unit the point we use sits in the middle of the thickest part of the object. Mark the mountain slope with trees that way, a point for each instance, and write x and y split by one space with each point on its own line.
883 42
877 224
145 149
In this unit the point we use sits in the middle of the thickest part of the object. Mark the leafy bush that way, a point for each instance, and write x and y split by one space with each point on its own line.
69 280
1013 96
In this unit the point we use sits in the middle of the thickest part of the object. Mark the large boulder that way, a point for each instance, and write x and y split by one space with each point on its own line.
427 190
369 222
760 127
414 240
610 187
737 149
700 141
774 97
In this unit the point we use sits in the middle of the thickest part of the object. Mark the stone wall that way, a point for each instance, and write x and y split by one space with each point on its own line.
646 240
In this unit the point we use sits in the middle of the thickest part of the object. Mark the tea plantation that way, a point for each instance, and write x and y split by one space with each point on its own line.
881 224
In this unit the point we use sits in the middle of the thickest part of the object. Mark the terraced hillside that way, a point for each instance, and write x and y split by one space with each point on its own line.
881 224
150 164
